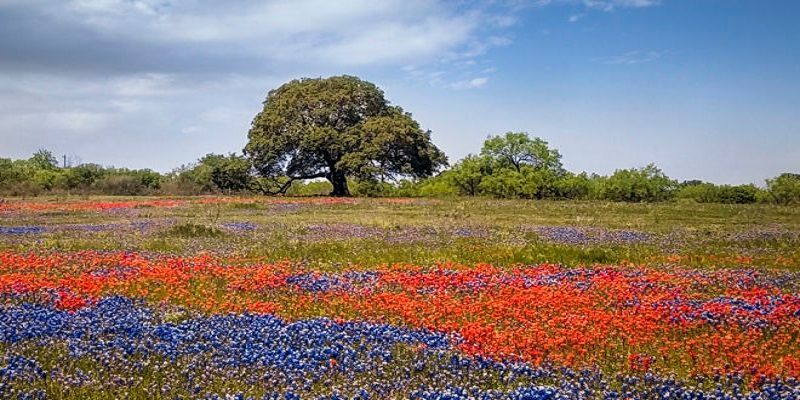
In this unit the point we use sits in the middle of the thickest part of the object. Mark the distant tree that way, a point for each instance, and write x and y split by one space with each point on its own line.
335 128
45 179
9 174
572 186
82 176
693 182
541 183
504 183
738 194
149 179
435 186
646 184
43 159
128 182
195 178
229 173
214 173
466 175
785 188
516 149
310 188
725 194
699 192
120 185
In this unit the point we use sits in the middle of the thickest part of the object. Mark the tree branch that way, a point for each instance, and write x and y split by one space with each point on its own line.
285 186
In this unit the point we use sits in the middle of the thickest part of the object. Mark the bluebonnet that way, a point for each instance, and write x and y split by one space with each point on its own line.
128 340
240 226
21 230
573 235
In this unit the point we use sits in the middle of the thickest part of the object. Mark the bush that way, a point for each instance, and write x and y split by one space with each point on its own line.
437 186
181 187
785 188
213 173
725 194
122 185
764 197
467 175
571 186
309 188
505 184
539 183
190 230
741 194
371 188
646 184
8 174
229 173
82 176
22 189
699 192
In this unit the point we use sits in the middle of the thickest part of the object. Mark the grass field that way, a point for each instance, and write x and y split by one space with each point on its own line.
397 298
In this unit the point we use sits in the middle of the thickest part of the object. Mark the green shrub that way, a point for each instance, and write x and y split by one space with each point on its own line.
81 177
571 186
467 175
437 186
371 188
697 192
121 185
310 188
741 194
648 184
725 194
190 230
785 188
505 183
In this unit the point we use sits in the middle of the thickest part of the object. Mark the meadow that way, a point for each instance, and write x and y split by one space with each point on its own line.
339 298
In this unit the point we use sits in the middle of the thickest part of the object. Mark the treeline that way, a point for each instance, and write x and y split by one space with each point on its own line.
41 174
513 165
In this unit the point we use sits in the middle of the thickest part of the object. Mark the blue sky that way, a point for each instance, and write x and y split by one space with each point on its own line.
706 89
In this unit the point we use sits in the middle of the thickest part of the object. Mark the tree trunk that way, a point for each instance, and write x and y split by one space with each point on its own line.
339 182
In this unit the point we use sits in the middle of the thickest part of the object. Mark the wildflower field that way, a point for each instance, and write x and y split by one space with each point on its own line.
340 298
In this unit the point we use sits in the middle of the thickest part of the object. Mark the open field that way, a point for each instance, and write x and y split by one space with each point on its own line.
397 298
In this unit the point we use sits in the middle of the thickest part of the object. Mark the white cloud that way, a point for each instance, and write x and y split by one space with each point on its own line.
348 32
76 121
604 5
575 17
135 120
502 21
610 5
634 57
72 124
471 83
396 42
499 41
151 84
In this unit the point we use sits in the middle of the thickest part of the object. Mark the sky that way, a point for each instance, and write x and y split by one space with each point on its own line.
705 89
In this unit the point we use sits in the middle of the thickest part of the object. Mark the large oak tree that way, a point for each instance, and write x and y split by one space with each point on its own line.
335 128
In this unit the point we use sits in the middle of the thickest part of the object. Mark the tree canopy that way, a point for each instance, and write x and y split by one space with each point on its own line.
785 188
648 184
517 149
335 128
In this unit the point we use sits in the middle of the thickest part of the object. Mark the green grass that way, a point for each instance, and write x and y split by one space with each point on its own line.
192 230
699 232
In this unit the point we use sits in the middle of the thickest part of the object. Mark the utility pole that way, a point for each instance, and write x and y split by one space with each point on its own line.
65 161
